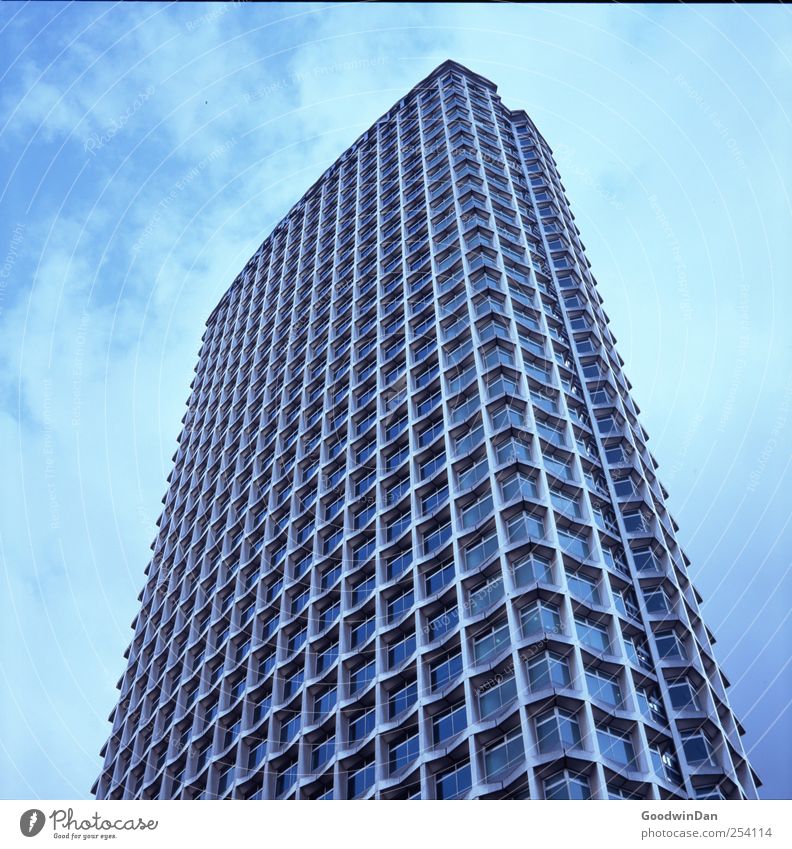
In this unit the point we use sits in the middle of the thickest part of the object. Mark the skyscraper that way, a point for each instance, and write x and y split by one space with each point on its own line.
414 544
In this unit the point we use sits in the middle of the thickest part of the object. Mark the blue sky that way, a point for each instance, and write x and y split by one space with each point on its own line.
147 150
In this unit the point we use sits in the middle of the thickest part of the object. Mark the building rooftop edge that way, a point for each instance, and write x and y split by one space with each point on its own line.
442 68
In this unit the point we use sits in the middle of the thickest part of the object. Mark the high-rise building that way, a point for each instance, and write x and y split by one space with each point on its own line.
414 544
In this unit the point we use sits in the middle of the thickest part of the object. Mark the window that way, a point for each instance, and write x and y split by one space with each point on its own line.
518 485
539 618
362 676
443 622
548 670
513 450
683 695
657 601
604 687
436 538
445 669
472 475
647 560
530 569
476 555
361 781
326 658
361 725
434 499
360 633
324 702
286 779
322 753
559 467
649 705
636 522
399 652
403 752
524 526
495 694
637 652
486 644
256 755
592 635
402 699
664 763
449 724
566 503
503 415
698 748
567 785
669 645
397 607
584 587
616 745
504 755
476 512
454 783
485 595
557 729
575 544
361 590
439 577
626 603
290 729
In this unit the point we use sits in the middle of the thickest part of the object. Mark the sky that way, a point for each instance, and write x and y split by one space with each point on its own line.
146 150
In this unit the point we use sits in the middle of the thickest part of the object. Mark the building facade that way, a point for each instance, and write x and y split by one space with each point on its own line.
414 544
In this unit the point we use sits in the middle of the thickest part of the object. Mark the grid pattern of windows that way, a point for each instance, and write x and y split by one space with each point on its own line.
414 545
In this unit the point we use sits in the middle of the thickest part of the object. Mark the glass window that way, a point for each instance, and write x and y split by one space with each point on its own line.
476 512
530 569
670 645
557 729
584 587
539 618
439 577
403 753
360 781
445 669
489 642
454 783
449 724
397 607
518 485
504 755
402 699
649 705
485 595
524 526
604 687
495 694
443 622
698 748
616 745
566 503
656 601
576 544
475 555
322 753
592 635
399 652
683 695
567 785
548 670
